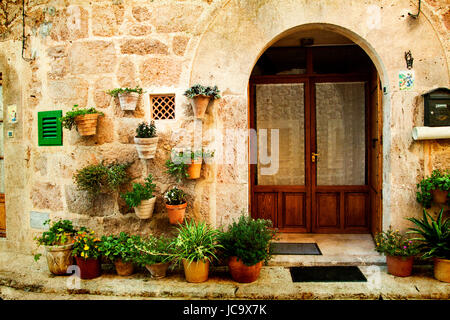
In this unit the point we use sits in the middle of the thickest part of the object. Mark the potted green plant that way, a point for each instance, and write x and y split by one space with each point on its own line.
187 164
434 242
435 188
141 198
98 178
87 254
155 255
128 97
120 250
196 247
399 251
146 140
57 241
85 120
176 205
201 96
246 243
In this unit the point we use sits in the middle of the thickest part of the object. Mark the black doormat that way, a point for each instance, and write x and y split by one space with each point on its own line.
295 248
327 274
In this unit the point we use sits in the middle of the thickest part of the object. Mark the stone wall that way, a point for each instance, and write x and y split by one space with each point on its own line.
83 48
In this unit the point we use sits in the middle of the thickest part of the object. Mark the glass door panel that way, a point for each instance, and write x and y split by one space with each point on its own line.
341 133
280 107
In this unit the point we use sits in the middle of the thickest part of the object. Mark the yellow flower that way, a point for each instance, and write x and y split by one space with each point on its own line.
86 247
82 254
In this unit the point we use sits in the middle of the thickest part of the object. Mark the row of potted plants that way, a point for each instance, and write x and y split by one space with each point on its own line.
244 247
428 239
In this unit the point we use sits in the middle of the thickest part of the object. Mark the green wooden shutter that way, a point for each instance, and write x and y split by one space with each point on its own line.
49 127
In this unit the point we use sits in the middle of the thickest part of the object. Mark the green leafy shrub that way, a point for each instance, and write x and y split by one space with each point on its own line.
121 247
59 233
198 89
175 196
86 245
393 243
97 178
434 240
437 180
248 239
68 121
140 192
196 241
145 130
117 91
154 250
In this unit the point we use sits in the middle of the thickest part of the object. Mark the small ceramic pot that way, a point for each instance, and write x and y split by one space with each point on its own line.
128 100
89 268
145 209
200 104
194 170
146 147
176 212
59 258
399 266
196 271
442 269
158 270
440 196
243 273
124 268
87 124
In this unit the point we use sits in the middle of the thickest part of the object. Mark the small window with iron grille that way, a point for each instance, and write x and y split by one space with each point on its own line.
163 106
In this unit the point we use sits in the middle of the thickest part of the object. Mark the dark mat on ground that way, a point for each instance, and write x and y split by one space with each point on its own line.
327 274
295 248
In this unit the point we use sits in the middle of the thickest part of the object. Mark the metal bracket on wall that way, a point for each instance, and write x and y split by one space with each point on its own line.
415 16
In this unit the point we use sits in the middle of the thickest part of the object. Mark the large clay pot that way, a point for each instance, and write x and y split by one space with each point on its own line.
399 266
89 268
146 147
196 271
87 124
243 273
145 209
124 268
176 212
59 258
439 196
158 270
200 104
442 269
128 100
194 170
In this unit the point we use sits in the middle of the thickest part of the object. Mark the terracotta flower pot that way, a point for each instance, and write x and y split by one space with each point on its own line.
439 196
196 271
59 258
176 212
87 124
158 270
243 273
399 266
146 147
145 209
194 170
128 100
89 268
442 269
124 268
200 104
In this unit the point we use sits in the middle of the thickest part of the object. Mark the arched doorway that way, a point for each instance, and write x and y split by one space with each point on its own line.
315 96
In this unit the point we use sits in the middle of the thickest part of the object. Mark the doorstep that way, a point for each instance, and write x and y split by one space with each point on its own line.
22 278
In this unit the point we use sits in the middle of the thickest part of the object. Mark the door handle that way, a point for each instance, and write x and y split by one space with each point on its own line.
314 157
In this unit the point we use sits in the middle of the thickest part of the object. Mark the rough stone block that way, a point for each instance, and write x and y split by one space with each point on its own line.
70 23
175 18
106 20
163 71
69 91
46 195
143 47
126 73
179 45
92 57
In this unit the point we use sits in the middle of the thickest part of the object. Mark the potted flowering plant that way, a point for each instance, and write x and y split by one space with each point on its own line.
175 204
201 96
155 255
85 120
121 251
146 140
57 241
196 247
128 97
87 254
247 245
141 198
399 251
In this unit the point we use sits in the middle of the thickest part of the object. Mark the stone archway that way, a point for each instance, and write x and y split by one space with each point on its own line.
242 30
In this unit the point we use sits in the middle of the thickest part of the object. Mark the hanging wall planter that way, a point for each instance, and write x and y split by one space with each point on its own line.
201 97
175 205
141 198
85 120
146 140
435 188
187 164
128 97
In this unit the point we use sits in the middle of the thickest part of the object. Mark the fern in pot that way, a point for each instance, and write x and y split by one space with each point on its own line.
176 204
141 198
201 97
128 97
146 140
